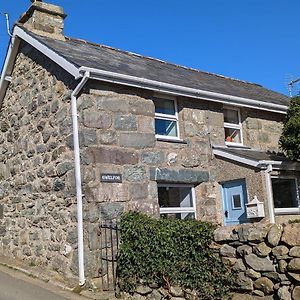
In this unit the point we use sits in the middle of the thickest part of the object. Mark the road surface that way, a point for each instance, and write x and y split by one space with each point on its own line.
14 285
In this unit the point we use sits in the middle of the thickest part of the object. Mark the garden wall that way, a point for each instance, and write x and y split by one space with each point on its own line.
266 258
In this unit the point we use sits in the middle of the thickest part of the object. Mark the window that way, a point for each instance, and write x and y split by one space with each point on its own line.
176 201
166 118
232 126
236 201
285 194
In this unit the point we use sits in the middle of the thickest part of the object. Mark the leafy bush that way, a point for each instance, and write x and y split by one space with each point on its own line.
290 137
294 221
170 252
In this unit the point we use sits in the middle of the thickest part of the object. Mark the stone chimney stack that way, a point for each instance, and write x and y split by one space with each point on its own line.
44 19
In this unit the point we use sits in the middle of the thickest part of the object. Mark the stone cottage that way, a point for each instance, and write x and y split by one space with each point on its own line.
89 131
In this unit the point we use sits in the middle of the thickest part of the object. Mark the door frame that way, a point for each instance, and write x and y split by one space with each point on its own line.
242 182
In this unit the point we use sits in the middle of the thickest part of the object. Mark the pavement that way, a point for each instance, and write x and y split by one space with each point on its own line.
15 285
20 281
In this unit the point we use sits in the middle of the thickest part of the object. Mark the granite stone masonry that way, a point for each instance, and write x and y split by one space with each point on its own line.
266 266
38 220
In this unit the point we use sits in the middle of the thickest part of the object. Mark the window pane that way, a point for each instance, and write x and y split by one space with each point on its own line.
236 201
165 127
181 216
284 193
164 106
232 135
231 116
175 197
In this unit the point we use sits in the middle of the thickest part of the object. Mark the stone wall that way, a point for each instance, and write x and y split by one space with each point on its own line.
117 126
266 258
38 208
144 292
261 129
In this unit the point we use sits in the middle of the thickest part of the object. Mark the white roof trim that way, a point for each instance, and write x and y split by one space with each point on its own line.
181 90
245 161
13 48
260 164
61 61
144 83
8 65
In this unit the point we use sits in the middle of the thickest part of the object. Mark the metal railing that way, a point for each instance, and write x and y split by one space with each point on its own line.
109 245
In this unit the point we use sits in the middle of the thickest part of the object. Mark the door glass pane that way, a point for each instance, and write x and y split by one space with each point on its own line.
175 197
232 135
231 116
236 201
284 193
165 127
164 106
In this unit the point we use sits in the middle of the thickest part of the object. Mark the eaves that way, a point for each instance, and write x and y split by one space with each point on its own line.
113 77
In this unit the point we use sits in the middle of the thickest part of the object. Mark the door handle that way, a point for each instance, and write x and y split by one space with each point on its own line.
226 213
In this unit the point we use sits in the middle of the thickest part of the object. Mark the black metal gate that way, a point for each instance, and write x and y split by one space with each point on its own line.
109 245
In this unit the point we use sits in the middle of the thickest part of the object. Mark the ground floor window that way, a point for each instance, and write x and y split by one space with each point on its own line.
176 201
285 193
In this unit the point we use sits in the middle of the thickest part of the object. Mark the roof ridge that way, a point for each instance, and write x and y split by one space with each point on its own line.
162 61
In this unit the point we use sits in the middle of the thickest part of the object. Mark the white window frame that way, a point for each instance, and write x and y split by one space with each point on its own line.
168 117
174 210
288 210
234 126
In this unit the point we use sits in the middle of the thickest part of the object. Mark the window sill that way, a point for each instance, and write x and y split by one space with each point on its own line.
287 211
231 144
176 141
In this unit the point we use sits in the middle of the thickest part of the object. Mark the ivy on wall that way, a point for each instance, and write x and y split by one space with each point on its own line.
169 252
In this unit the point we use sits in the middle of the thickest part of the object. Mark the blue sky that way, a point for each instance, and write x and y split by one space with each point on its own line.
251 40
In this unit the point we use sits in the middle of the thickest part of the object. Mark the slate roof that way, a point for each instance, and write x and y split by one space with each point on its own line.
82 53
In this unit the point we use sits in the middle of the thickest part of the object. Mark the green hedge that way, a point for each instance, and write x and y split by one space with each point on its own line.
170 252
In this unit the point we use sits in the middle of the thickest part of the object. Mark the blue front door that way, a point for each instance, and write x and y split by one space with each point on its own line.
234 199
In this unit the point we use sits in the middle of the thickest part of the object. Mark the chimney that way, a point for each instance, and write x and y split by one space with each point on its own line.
44 19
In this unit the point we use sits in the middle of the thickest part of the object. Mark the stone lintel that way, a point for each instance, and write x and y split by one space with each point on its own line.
178 176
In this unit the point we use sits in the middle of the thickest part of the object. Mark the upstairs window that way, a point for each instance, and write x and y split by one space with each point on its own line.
285 194
176 201
166 118
232 126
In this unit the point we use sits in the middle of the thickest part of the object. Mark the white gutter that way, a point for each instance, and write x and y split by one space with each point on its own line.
139 82
270 194
180 90
78 177
282 165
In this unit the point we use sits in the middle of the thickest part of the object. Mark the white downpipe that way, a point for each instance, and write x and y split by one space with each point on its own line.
181 90
78 177
270 193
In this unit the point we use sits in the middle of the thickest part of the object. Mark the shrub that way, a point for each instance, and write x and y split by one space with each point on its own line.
294 221
290 137
170 252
